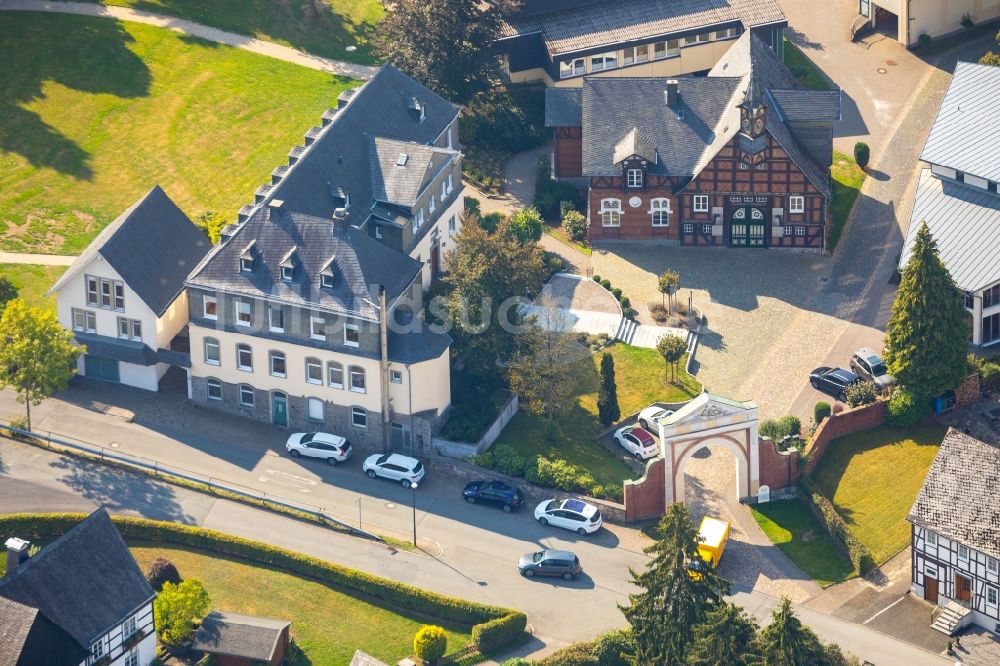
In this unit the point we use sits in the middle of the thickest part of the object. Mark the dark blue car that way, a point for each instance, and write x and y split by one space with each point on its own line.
493 492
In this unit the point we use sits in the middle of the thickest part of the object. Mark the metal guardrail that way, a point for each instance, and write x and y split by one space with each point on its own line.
160 470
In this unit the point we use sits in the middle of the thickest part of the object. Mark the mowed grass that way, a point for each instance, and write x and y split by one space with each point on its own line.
32 281
639 378
847 180
793 529
323 27
327 624
803 68
872 478
94 112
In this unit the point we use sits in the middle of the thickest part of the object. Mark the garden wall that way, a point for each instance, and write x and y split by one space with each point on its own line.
778 469
838 425
646 497
466 450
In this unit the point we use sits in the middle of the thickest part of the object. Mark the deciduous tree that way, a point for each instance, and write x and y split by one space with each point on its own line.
176 609
669 283
526 224
671 348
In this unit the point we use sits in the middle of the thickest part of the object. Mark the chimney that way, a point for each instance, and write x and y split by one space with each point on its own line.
227 232
17 553
672 94
339 213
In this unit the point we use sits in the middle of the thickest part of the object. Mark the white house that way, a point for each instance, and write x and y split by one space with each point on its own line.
909 19
124 296
80 601
956 535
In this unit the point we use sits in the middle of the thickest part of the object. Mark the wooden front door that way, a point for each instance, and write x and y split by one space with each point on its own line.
747 228
963 588
931 589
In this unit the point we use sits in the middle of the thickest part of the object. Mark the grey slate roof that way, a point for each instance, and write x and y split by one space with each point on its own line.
238 635
567 27
966 133
86 581
563 107
965 223
959 498
361 263
396 183
28 638
415 346
808 105
152 245
635 142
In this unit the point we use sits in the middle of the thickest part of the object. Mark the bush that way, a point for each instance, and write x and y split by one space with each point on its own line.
596 278
790 425
574 224
430 643
176 609
860 393
566 207
988 369
606 284
924 40
554 263
515 661
967 20
471 205
778 429
507 461
160 571
861 154
861 558
630 313
560 474
617 293
624 301
821 410
491 221
494 634
526 225
611 648
577 654
905 409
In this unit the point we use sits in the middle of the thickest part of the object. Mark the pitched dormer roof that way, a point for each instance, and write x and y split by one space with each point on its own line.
400 170
634 143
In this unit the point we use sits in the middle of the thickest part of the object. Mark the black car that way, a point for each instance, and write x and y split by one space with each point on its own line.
493 492
550 563
832 380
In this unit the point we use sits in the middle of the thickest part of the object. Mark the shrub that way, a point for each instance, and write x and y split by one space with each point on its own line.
491 221
496 633
778 429
550 193
606 284
988 369
861 393
905 409
577 654
507 461
837 408
160 571
515 661
211 223
430 643
596 278
790 425
566 207
861 154
471 205
967 20
176 609
625 302
574 224
617 293
924 40
771 429
630 313
861 558
612 648
560 474
526 225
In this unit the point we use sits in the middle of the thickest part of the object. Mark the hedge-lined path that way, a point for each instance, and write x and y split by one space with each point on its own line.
36 259
259 46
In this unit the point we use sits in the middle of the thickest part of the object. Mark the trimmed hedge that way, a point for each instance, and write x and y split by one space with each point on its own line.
492 624
861 558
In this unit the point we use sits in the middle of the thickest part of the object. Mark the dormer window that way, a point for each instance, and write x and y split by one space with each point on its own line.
288 264
634 177
326 275
326 281
287 273
246 264
247 257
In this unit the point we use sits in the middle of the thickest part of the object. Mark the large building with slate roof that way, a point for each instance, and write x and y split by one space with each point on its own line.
81 600
124 297
955 524
958 195
739 157
558 42
308 313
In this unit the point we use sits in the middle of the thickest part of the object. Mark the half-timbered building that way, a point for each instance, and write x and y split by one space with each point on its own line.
955 523
737 158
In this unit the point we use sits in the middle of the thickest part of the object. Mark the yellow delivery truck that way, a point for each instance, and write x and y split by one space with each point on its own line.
712 536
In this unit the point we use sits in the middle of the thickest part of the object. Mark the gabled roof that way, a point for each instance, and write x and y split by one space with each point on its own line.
965 223
27 638
400 170
562 107
959 498
152 246
966 133
806 106
635 142
246 636
574 26
86 581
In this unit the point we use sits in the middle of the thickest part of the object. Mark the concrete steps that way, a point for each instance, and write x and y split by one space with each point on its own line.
950 617
626 331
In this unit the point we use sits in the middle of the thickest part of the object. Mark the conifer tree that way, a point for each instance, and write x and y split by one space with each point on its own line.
725 638
787 642
608 410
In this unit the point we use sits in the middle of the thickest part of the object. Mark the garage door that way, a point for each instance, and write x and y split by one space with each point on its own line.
97 367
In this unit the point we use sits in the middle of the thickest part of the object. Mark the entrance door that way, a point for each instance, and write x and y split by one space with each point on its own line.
931 589
963 588
279 409
435 260
747 229
98 367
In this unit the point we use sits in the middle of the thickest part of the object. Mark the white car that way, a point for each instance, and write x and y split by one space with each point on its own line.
650 417
331 448
394 466
571 514
636 441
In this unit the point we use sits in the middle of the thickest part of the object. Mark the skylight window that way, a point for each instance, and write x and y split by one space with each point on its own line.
401 160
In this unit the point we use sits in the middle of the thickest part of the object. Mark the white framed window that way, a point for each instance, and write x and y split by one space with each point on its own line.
396 376
335 375
706 228
418 220
760 199
244 313
326 281
352 335
574 67
444 187
314 371
633 177
84 320
214 389
276 363
800 230
991 564
659 210
359 417
963 551
246 395
728 33
636 54
105 293
212 356
317 328
697 39
796 204
931 538
450 187
432 205
129 329
246 264
667 49
275 319
210 307
316 410
688 228
603 61
747 199
92 291
132 657
287 273
128 627
119 295
451 225
611 212
735 198
244 357
991 595
99 647
744 166
701 203
357 376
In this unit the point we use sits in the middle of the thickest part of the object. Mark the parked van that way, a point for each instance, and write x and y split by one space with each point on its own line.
712 536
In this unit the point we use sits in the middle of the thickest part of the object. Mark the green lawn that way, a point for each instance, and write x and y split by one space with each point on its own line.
847 180
560 235
323 27
872 478
90 123
803 68
327 624
790 525
639 377
32 281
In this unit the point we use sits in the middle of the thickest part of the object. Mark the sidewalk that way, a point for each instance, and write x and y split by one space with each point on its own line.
36 259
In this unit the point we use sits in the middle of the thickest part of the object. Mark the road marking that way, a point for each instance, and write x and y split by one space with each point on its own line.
883 610
289 480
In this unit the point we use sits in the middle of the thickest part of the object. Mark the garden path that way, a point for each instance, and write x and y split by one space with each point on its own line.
37 259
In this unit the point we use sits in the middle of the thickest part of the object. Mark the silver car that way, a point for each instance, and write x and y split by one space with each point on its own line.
869 366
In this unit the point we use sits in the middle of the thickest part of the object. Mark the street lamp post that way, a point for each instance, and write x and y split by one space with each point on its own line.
413 493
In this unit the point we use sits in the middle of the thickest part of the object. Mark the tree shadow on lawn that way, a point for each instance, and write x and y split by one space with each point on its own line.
86 54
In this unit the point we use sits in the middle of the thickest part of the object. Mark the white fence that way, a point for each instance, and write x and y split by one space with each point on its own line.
467 450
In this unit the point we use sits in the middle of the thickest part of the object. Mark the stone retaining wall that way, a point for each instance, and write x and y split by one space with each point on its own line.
837 425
